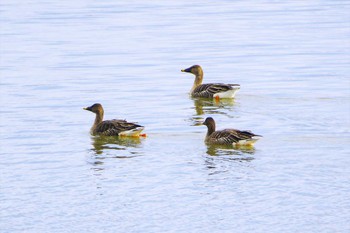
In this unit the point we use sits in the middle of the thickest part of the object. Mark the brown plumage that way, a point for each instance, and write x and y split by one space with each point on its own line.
209 90
113 127
228 136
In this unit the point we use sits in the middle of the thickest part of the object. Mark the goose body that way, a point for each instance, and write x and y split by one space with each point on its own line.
228 136
113 127
210 90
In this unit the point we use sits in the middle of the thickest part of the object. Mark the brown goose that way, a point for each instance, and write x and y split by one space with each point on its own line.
112 127
210 90
228 136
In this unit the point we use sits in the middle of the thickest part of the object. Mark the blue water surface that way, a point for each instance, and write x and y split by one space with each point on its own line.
291 58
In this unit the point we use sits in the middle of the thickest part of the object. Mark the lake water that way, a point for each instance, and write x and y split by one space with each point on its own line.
292 59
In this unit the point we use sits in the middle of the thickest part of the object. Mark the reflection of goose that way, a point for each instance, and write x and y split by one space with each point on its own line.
111 143
220 150
208 106
210 90
217 150
112 127
228 136
223 159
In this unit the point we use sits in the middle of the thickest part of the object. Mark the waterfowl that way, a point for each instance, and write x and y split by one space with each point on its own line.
112 127
210 90
228 136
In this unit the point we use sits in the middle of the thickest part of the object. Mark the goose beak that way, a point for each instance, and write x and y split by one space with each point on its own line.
204 123
188 70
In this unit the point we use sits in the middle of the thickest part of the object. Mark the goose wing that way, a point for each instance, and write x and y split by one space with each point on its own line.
223 137
114 127
229 136
242 134
208 90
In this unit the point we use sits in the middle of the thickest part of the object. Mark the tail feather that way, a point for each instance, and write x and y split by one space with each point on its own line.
236 86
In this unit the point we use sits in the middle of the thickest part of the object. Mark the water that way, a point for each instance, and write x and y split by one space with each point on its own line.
292 59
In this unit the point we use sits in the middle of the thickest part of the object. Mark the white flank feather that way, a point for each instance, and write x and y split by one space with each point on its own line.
247 142
226 94
132 133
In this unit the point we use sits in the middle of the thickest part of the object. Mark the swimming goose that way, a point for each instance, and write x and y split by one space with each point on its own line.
228 136
112 127
210 90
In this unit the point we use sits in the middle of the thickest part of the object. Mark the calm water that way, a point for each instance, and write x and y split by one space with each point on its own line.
292 59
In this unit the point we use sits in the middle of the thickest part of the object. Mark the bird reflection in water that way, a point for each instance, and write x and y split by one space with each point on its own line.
107 148
237 153
222 157
102 144
204 106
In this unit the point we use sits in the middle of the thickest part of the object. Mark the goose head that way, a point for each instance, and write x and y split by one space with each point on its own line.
95 108
195 69
210 123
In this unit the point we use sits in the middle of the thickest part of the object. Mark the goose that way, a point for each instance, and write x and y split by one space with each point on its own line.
228 136
113 127
210 90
